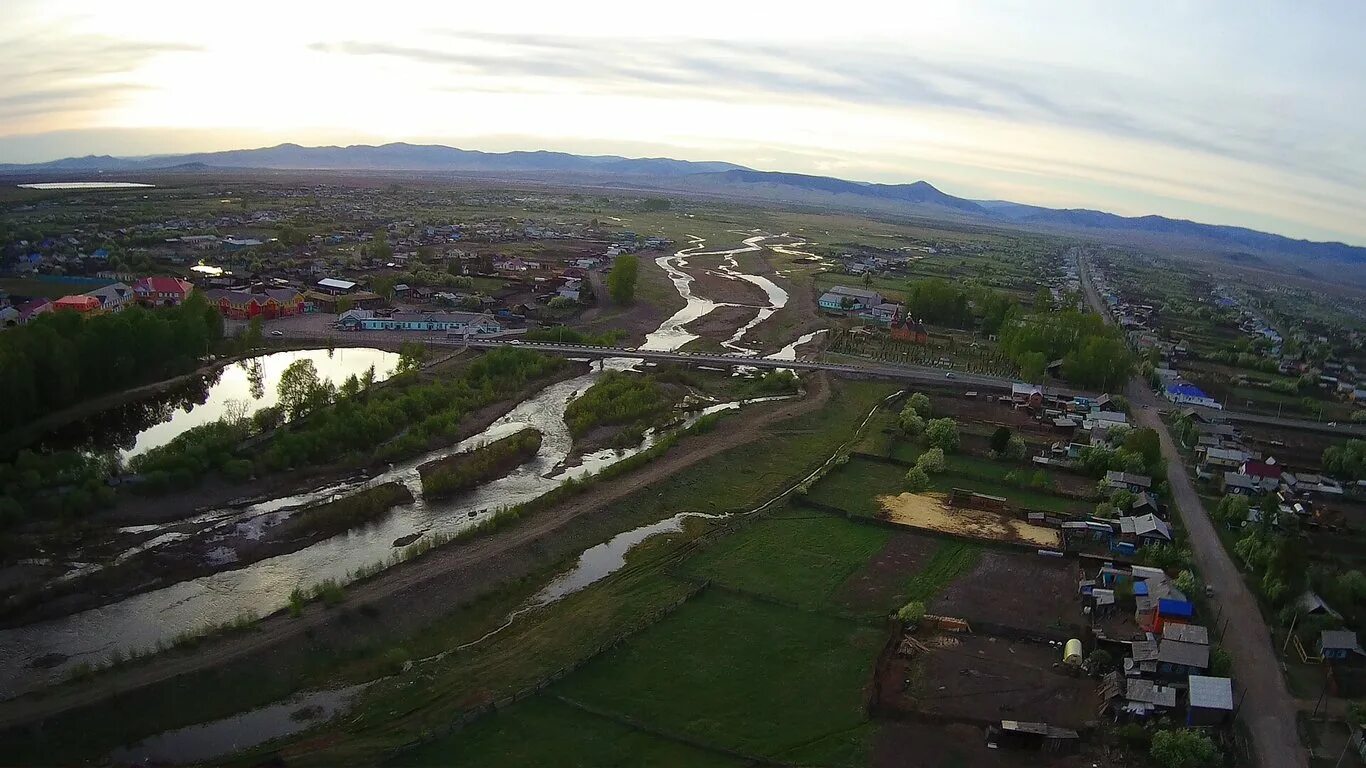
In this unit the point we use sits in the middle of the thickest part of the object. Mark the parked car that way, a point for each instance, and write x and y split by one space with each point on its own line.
277 333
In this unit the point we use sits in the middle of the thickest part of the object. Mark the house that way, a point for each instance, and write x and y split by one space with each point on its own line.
1146 529
570 289
112 297
885 313
334 286
1176 659
82 304
1265 474
161 291
9 317
1143 697
1236 482
1127 481
1170 609
912 331
268 305
1224 458
466 323
31 309
1189 394
1310 604
1027 394
1340 646
1210 700
841 299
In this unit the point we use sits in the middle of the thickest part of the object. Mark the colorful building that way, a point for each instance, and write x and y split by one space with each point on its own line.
162 291
82 304
450 322
268 305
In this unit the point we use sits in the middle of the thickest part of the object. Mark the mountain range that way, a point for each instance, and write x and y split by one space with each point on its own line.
1237 244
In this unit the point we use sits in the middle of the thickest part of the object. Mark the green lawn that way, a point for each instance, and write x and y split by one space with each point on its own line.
753 677
856 486
798 558
544 731
25 286
951 560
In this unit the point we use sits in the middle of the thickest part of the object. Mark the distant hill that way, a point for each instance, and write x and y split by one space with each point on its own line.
388 157
1234 245
920 193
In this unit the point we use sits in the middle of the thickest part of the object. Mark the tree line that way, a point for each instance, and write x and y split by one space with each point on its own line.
60 359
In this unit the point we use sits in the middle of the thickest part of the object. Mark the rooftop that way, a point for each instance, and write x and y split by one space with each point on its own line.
1211 692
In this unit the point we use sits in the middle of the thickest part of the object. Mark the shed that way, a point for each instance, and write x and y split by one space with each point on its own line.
1211 700
1340 646
1186 633
1178 659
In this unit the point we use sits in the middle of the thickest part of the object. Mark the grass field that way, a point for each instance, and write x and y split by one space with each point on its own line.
748 676
547 732
856 486
24 286
797 557
949 561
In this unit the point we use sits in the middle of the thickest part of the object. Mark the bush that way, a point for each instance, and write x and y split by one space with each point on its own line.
237 470
917 480
912 612
464 471
931 462
1134 737
1016 448
910 422
617 398
1184 749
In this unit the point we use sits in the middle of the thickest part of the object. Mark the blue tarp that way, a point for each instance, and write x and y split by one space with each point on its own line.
1175 608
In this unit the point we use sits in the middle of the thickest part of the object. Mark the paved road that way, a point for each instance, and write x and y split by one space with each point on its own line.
1267 707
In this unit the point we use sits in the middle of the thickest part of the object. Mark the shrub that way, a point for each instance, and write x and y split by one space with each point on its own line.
1183 749
912 612
917 480
920 403
931 461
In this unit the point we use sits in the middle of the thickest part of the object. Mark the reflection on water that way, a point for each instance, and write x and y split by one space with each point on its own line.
207 741
85 185
137 427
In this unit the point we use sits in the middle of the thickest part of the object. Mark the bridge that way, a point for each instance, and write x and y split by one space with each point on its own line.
923 375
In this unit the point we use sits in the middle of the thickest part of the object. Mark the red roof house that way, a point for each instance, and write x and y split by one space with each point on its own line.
162 291
77 303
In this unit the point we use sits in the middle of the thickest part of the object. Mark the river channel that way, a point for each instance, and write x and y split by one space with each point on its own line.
140 622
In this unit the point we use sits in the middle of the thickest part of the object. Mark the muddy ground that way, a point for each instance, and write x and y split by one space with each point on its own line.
1017 590
883 578
982 679
908 744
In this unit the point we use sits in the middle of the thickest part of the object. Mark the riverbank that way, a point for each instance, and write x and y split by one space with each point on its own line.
398 601
182 560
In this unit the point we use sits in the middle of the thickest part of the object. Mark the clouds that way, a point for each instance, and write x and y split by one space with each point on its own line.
1238 112
46 83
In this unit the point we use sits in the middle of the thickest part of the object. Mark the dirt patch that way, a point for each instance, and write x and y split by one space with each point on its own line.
982 679
958 745
720 287
1016 590
721 323
883 579
930 512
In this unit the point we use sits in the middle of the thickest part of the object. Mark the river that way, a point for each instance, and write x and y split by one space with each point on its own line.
142 621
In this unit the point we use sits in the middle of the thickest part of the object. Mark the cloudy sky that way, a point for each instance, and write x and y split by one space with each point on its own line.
1244 112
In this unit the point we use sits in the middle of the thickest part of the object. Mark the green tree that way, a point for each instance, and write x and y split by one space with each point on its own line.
917 480
920 403
1043 300
1185 581
298 384
910 422
254 335
379 246
621 281
344 304
1016 448
1033 366
942 433
1000 440
1146 443
1346 461
411 356
931 461
1183 749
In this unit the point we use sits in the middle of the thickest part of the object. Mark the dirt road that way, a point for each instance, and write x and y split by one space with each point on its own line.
409 578
1267 708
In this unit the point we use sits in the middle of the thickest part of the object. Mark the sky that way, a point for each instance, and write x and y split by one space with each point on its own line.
1246 113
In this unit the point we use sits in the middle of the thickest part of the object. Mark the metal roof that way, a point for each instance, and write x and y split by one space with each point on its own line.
1186 654
1149 692
1211 692
1340 639
1186 633
332 282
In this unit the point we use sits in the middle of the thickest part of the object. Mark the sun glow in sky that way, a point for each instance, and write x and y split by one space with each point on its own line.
1241 113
